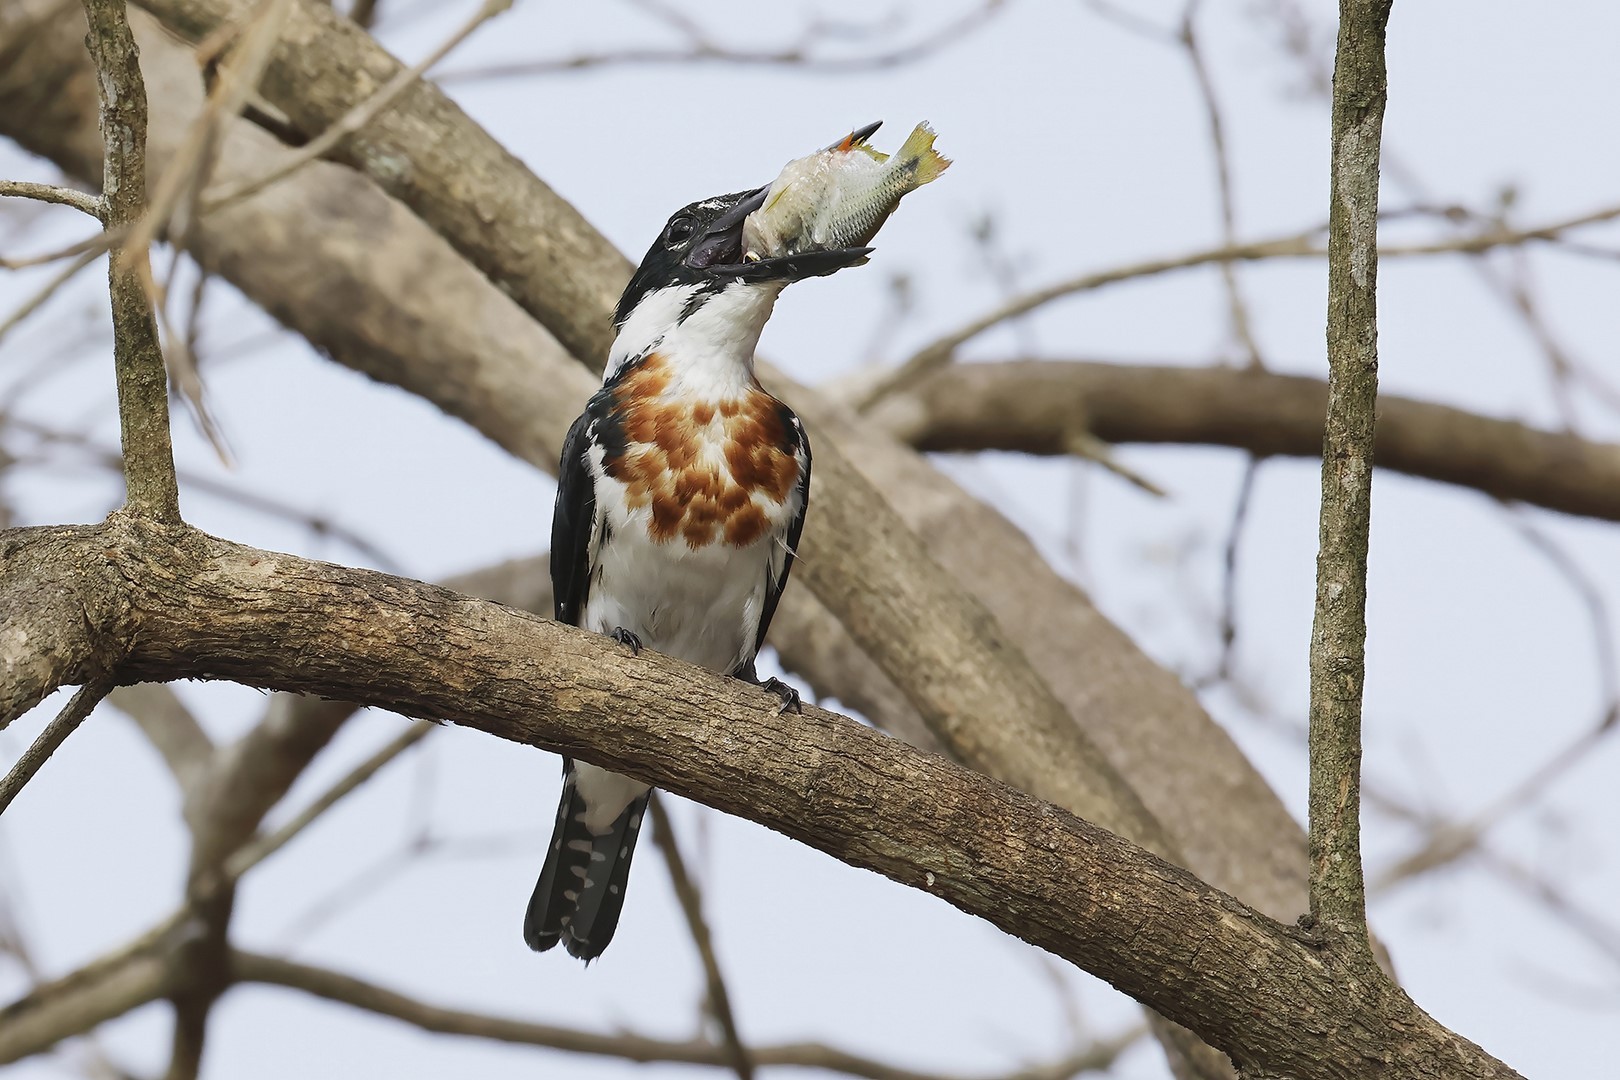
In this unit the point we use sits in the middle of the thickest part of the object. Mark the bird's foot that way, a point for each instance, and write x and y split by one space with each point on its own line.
627 639
785 693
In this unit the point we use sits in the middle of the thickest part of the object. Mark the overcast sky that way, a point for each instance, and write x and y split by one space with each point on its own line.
1088 146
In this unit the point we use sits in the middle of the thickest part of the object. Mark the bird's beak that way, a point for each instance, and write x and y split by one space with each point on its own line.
721 245
719 250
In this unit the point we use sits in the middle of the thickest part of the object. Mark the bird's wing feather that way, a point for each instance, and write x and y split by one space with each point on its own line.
573 525
778 579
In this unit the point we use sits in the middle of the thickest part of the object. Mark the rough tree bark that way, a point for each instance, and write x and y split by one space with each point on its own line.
206 608
1183 766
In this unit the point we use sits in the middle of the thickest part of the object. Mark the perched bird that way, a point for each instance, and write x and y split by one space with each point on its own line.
680 500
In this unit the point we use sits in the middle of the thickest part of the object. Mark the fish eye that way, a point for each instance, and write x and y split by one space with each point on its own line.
679 231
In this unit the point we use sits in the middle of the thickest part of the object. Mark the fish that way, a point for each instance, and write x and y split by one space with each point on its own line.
841 196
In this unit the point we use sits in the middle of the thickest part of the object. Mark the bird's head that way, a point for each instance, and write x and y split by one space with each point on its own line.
695 271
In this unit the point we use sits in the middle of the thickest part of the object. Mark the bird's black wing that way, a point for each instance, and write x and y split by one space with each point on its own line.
773 588
572 522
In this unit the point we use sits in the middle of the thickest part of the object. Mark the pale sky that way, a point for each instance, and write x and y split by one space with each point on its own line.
1088 145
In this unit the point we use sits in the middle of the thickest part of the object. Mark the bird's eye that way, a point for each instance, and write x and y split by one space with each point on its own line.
680 231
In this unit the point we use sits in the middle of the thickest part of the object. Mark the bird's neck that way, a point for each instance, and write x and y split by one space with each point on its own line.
707 341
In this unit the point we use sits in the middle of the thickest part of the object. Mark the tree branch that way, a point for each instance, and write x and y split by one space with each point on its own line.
1339 630
1108 678
1032 406
122 980
55 733
212 609
348 990
143 384
52 193
691 901
872 388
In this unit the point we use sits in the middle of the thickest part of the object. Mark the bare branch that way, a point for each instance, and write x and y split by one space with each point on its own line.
362 114
941 351
691 901
1339 631
52 193
626 1046
46 291
250 855
703 50
1030 406
220 610
55 733
143 401
124 979
465 346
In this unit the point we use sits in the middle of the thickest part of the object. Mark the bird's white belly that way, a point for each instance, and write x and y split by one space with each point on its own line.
700 605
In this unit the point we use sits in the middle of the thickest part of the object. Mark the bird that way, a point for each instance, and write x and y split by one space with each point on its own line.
681 496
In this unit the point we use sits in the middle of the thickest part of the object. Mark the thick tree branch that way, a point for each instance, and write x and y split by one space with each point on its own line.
1339 630
934 640
1033 406
211 609
143 382
1189 773
413 149
60 630
468 187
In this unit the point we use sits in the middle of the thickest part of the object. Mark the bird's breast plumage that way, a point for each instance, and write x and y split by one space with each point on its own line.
694 469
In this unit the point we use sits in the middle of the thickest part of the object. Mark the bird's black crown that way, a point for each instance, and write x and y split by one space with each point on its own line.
702 245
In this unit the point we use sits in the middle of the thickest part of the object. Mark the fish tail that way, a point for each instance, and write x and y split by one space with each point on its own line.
919 147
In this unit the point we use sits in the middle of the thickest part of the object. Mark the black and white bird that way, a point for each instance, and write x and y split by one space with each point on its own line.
680 500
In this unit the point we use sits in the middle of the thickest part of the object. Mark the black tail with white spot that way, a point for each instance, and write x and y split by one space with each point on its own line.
581 889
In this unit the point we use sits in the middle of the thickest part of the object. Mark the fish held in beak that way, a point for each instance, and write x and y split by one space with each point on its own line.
720 250
838 198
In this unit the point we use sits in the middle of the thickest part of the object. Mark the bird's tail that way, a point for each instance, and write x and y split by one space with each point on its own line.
581 889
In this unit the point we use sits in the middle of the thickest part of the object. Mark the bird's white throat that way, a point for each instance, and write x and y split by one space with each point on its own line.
711 349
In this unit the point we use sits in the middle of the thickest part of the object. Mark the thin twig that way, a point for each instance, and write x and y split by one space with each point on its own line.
359 116
702 49
686 891
1297 245
626 1046
48 290
1237 307
255 852
1339 628
56 732
1224 667
53 193
200 483
237 74
1082 443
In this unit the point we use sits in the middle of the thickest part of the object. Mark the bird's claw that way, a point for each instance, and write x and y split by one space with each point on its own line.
788 696
627 639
